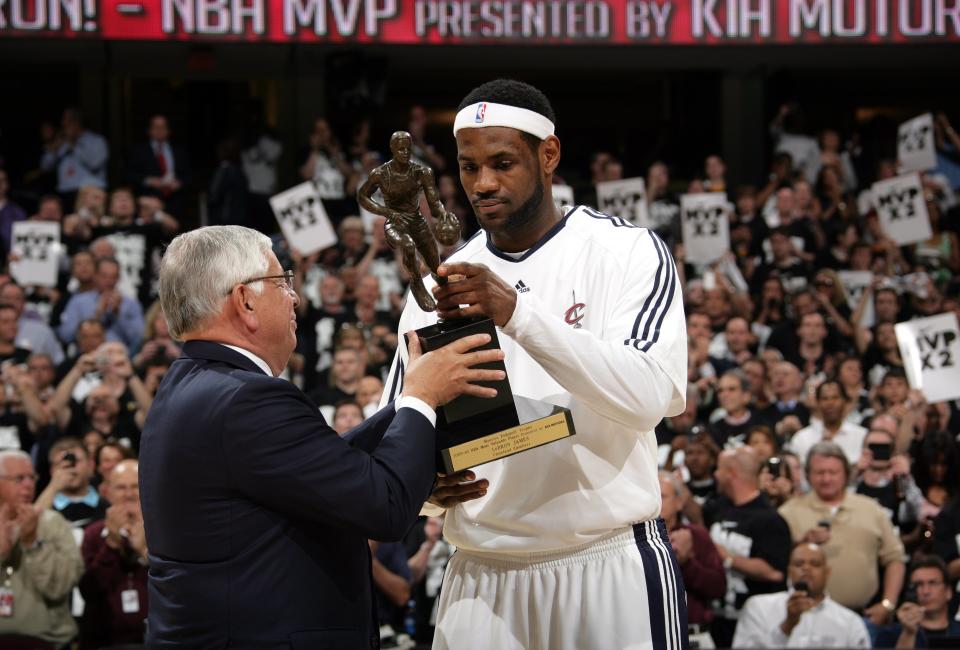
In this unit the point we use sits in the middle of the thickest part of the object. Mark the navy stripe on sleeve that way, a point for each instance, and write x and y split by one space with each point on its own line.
646 303
672 272
618 222
656 315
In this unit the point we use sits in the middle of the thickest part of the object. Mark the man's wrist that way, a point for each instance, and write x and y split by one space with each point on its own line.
888 605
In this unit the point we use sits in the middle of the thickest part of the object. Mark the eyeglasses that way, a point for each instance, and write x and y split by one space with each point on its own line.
286 277
20 478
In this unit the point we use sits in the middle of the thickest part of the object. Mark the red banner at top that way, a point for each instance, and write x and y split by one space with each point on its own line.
527 22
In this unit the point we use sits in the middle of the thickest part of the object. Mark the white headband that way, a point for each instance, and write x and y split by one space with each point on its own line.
484 114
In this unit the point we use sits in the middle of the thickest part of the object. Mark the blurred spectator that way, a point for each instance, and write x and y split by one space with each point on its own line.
715 171
924 615
703 574
70 491
345 374
106 457
350 248
428 555
885 477
159 168
733 393
228 188
391 580
121 316
369 391
663 206
32 333
90 336
751 537
940 253
78 155
802 617
777 478
346 414
365 307
114 586
854 532
787 130
10 213
700 460
946 532
317 328
9 351
260 155
39 544
136 229
324 163
763 441
937 472
831 426
733 344
831 155
26 388
157 341
786 382
420 151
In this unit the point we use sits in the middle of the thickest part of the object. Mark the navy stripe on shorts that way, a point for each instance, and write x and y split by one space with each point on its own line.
666 598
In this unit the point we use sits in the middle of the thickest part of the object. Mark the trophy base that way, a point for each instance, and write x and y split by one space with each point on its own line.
540 423
472 431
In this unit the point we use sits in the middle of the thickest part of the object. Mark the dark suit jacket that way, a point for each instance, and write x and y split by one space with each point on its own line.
257 514
142 163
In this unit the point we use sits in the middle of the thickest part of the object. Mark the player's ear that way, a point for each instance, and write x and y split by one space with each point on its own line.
549 154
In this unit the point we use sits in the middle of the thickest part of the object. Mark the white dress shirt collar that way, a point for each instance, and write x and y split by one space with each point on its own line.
250 355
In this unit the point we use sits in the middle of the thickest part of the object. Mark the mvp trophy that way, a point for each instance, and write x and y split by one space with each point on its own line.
470 430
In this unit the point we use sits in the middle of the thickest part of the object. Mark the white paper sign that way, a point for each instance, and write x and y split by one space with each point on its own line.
706 228
930 348
302 218
902 209
563 196
37 244
915 148
626 199
855 283
130 251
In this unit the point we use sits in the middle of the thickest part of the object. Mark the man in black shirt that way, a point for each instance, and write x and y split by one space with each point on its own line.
752 538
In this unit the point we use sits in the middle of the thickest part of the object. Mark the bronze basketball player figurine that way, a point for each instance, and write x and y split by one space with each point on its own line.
400 181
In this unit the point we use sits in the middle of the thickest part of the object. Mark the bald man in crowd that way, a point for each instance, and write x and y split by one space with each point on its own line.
753 540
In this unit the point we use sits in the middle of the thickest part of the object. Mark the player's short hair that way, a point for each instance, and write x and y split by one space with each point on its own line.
512 93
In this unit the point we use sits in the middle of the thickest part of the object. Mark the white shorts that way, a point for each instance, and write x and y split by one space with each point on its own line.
622 591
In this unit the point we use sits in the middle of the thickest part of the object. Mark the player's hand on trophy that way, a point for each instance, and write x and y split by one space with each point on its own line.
441 375
482 290
452 489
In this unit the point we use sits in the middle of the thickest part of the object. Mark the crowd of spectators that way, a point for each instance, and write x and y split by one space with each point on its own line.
810 493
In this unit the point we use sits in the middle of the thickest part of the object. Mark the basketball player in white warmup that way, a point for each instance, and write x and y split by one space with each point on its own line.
562 546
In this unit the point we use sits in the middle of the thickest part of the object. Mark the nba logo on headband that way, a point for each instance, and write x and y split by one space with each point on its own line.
481 109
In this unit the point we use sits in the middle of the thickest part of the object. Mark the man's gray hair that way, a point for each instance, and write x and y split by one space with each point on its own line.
827 449
200 268
7 454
